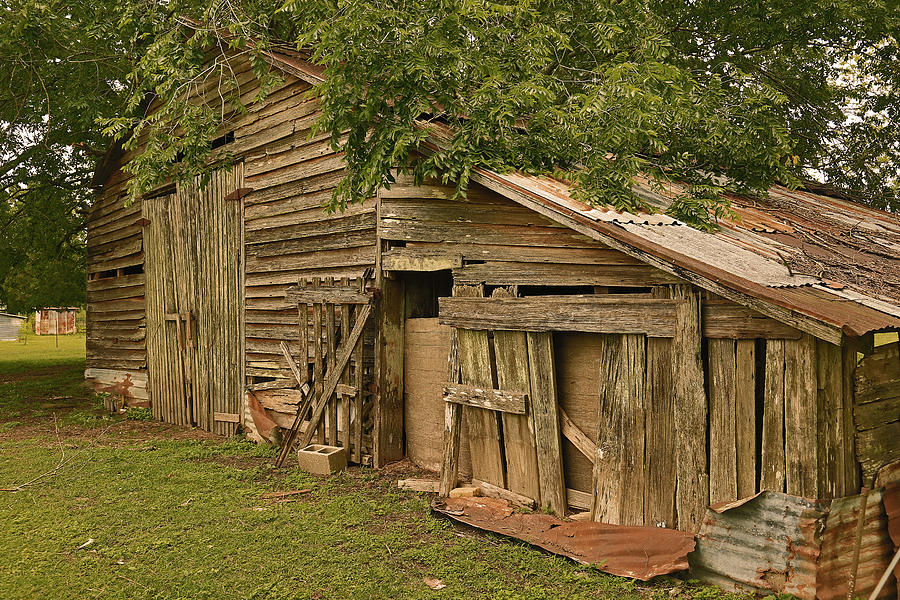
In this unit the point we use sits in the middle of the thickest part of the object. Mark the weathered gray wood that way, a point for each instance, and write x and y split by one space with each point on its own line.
877 420
492 491
484 430
488 399
692 495
772 471
659 496
801 424
419 485
408 259
511 358
452 422
389 372
335 295
733 321
333 377
619 462
745 417
529 273
574 434
544 406
850 471
722 437
598 314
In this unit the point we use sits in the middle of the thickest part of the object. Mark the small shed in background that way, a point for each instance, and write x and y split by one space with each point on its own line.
10 325
55 321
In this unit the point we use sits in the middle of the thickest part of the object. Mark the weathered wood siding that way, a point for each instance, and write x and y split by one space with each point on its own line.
287 234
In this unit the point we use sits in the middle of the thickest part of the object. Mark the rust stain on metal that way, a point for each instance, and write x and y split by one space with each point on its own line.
838 542
767 543
892 509
638 552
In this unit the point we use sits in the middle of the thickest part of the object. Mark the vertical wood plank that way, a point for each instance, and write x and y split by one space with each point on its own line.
318 367
745 416
772 470
692 494
345 377
850 473
722 438
511 357
800 417
659 499
830 415
619 477
545 412
331 340
484 429
452 420
360 395
389 366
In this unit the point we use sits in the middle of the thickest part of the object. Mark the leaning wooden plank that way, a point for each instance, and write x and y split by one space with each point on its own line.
722 440
692 494
574 434
333 377
484 429
492 491
488 399
596 314
801 417
544 406
299 376
511 359
302 408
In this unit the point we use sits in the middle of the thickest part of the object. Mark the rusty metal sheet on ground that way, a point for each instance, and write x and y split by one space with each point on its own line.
765 543
638 552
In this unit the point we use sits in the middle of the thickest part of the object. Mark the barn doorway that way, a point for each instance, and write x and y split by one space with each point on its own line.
194 266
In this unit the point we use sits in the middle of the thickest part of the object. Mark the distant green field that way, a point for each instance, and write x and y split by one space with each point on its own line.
37 351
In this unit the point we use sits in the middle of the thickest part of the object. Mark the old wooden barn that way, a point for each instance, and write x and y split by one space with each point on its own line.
589 359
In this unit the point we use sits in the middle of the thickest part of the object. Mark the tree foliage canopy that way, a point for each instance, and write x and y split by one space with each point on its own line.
714 93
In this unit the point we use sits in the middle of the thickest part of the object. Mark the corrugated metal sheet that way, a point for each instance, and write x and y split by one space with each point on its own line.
892 509
838 544
768 543
10 325
638 552
831 269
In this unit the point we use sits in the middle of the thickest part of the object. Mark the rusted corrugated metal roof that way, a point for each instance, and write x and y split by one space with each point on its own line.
763 253
838 549
638 552
768 543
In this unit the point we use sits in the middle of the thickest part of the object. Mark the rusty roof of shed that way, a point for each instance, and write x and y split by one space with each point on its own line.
829 259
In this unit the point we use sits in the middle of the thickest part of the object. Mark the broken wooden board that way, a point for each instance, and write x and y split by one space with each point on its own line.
488 399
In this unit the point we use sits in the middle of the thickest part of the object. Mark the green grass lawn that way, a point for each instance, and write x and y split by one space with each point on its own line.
115 508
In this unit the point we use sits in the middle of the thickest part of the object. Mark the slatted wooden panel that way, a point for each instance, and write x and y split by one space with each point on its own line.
195 303
877 409
322 328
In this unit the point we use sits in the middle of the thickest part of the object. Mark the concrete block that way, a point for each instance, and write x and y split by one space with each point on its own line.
322 460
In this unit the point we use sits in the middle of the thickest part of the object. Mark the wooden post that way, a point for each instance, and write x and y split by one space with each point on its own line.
850 472
452 424
692 494
389 371
545 410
